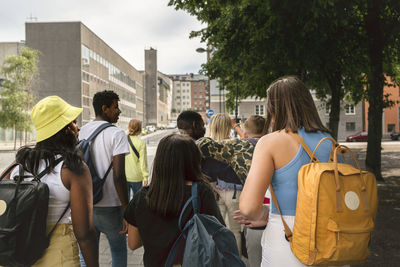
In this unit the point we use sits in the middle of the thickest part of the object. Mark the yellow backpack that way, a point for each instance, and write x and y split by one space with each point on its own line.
335 211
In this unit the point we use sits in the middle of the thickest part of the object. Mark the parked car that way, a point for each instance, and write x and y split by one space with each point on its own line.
171 125
359 137
395 136
150 128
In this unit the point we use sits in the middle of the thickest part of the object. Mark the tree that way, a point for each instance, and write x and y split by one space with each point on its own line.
19 72
256 42
338 48
382 29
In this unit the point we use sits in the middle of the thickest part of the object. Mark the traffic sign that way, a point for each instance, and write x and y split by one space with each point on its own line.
210 112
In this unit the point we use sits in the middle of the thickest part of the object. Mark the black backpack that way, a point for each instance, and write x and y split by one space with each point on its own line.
208 242
23 215
84 146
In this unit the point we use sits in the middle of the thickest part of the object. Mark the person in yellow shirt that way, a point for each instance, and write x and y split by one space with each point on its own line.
136 169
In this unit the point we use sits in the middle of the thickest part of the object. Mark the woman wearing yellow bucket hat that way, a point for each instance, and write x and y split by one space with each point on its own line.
68 180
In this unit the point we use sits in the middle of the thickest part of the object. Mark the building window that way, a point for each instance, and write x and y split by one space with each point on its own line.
350 126
260 110
390 128
327 109
200 102
349 109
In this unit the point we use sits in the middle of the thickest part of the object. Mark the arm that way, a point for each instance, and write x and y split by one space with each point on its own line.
258 180
143 163
81 197
120 179
134 240
237 128
209 204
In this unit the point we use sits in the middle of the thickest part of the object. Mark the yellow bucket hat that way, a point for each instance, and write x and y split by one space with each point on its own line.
50 115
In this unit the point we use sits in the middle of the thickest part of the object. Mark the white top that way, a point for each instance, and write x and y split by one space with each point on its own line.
110 142
59 195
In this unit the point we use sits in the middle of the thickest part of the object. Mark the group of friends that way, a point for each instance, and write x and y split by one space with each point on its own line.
233 175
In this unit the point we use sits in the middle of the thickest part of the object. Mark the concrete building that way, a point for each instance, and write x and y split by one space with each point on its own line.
164 101
200 93
181 94
75 64
391 115
351 119
158 92
190 91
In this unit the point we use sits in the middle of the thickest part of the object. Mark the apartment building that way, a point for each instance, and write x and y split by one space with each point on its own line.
75 64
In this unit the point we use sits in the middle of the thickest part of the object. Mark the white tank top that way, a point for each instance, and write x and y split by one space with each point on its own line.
59 196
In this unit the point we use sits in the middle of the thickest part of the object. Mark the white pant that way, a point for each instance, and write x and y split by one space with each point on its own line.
276 250
227 206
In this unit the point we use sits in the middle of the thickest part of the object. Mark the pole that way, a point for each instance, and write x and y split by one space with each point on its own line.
236 104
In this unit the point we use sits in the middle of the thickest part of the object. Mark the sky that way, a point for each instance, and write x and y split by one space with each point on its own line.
127 26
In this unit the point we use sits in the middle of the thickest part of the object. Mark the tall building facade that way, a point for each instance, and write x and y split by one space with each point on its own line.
190 92
200 93
158 91
75 64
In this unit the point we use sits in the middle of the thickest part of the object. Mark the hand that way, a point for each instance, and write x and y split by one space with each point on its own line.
250 223
124 230
233 122
145 183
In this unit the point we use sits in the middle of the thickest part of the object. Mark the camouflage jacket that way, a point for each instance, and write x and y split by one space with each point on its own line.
235 152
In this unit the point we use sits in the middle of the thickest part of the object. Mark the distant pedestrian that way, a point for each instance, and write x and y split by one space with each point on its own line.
111 145
277 160
136 169
253 131
154 211
69 183
229 193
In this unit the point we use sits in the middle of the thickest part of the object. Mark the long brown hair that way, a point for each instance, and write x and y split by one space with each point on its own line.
290 106
177 160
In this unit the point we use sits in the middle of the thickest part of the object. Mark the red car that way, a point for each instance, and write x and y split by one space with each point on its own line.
360 137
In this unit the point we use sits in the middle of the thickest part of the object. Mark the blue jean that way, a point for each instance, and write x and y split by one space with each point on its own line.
135 186
108 220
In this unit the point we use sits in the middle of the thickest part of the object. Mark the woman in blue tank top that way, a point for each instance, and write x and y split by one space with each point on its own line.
277 159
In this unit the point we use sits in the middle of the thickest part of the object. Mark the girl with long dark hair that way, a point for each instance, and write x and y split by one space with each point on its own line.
153 212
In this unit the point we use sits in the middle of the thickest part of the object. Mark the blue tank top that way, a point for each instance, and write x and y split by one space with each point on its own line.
284 180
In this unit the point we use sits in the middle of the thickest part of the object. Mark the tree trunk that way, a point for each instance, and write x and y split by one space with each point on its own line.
335 85
375 90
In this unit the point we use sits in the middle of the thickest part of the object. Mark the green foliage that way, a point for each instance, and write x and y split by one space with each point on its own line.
16 99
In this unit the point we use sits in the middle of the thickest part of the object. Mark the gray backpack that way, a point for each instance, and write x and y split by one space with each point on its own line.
208 242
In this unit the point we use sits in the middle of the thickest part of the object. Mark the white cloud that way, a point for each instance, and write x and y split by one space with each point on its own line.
128 26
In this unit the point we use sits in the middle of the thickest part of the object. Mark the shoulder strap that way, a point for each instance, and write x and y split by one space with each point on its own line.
44 172
99 130
133 147
304 145
10 168
59 219
288 232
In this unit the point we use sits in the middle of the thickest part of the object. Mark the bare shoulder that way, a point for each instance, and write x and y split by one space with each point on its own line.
68 175
276 138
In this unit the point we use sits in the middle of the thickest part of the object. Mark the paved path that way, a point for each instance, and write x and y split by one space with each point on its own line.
390 167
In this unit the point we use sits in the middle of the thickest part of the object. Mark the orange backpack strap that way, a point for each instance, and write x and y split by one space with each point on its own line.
288 232
304 145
